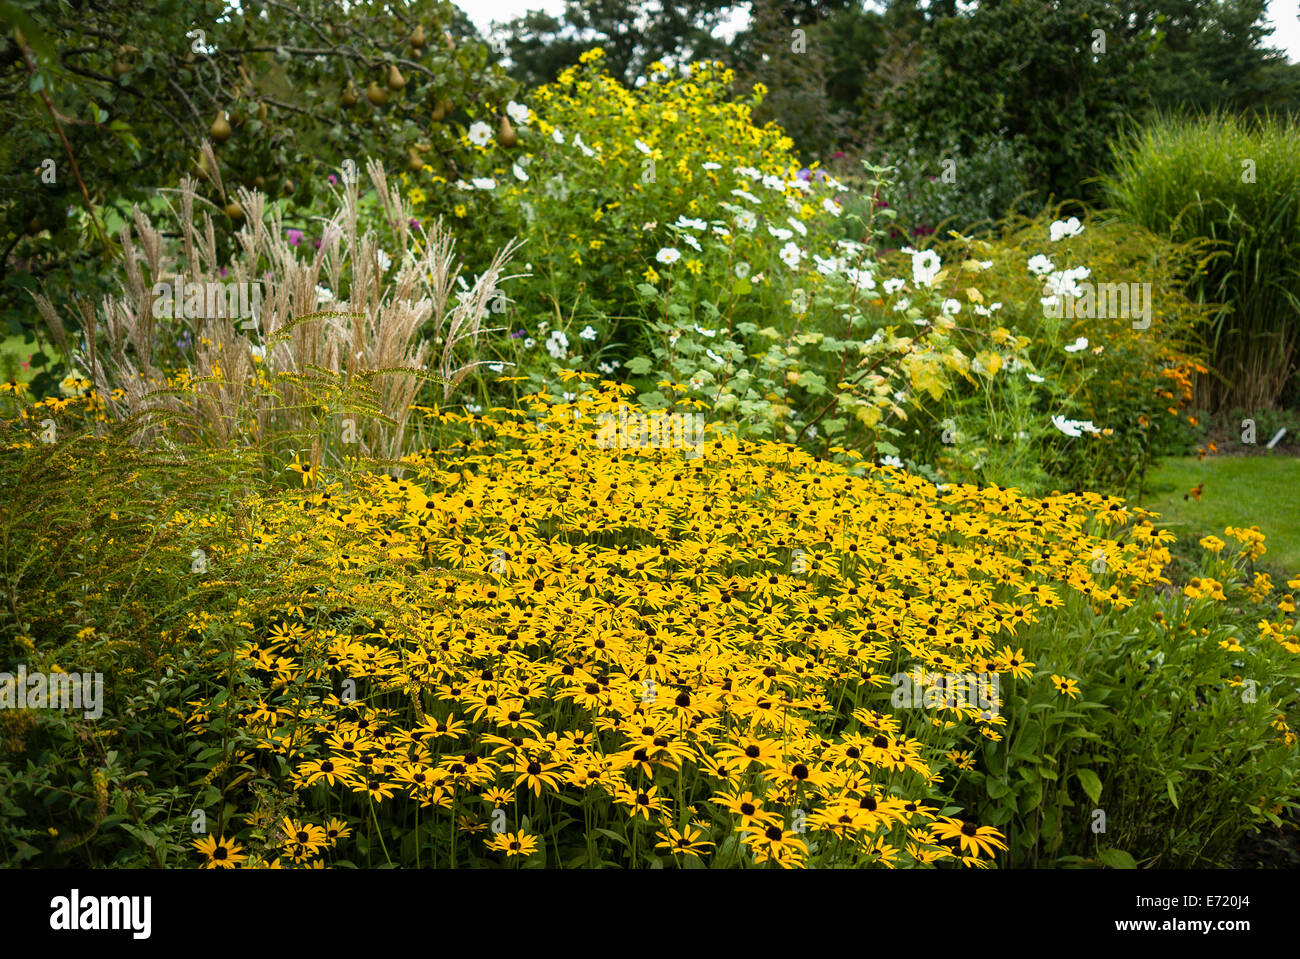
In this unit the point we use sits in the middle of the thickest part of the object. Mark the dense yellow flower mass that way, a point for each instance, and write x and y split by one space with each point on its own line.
540 616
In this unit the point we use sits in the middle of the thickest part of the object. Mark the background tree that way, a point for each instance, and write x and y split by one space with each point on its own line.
101 106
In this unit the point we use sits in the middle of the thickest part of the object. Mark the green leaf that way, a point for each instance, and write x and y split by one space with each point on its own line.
1090 782
1116 859
639 366
1169 787
741 287
996 788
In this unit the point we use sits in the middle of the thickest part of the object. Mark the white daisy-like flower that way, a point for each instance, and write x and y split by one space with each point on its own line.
831 207
668 256
557 136
697 381
746 220
902 304
480 134
1078 345
827 266
519 173
1063 228
586 150
710 165
642 146
774 183
950 307
746 196
1034 378
324 295
693 243
925 267
529 342
894 284
799 227
791 255
742 270
703 332
779 232
588 333
557 344
1040 264
861 279
484 183
696 224
607 368
1068 427
385 261
518 112
714 357
893 461
474 408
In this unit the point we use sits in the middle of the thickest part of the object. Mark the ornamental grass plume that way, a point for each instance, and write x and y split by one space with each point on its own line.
334 345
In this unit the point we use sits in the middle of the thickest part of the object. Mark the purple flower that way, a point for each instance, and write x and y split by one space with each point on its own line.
414 223
517 334
316 243
223 272
295 236
839 155
333 179
804 174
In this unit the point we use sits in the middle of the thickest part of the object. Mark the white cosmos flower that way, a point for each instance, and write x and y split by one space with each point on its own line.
902 304
518 112
697 381
1040 264
684 223
703 332
742 270
607 368
557 136
1078 345
1063 228
588 333
1034 378
384 261
925 267
893 285
668 256
484 183
831 207
746 196
779 232
799 227
862 279
827 266
529 342
519 173
480 133
642 146
791 255
893 461
712 166
557 344
586 150
746 220
774 183
714 357
950 308
693 243
1068 427
324 295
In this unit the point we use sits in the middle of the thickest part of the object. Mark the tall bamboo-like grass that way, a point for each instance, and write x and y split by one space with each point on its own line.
335 359
1234 181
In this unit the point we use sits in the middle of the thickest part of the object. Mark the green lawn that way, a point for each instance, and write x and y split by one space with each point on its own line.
1261 491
